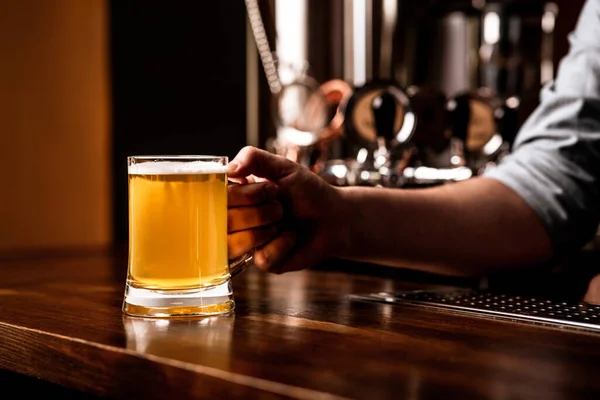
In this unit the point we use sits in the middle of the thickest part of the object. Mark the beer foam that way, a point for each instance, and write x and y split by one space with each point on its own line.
177 168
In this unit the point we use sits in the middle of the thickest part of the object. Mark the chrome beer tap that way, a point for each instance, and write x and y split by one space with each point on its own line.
378 124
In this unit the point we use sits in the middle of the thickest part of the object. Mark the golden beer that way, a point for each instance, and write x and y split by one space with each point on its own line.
178 230
178 262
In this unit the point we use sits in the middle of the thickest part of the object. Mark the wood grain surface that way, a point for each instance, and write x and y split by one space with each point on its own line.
295 335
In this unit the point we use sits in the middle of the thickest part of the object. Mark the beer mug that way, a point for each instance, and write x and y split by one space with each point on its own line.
178 263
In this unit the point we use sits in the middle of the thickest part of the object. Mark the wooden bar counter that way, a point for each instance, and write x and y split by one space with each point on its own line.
296 335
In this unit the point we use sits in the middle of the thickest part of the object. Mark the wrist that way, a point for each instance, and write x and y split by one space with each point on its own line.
343 213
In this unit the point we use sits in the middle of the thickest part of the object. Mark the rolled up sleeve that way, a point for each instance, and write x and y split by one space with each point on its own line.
555 162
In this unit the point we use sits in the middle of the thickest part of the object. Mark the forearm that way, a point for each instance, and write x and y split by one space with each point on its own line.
461 229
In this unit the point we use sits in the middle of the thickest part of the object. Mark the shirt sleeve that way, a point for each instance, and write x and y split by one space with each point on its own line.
555 162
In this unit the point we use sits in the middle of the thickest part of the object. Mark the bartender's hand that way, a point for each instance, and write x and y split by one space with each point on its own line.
252 216
311 230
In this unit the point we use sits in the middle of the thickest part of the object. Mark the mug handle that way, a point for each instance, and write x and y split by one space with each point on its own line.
239 264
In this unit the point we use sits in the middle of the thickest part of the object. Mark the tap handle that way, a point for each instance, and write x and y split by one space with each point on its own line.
384 113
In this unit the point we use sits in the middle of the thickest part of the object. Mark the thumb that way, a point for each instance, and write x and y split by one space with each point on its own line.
260 163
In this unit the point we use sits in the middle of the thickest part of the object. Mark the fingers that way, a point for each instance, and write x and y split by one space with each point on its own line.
243 218
302 258
286 253
246 179
252 178
261 163
251 193
240 180
239 243
271 256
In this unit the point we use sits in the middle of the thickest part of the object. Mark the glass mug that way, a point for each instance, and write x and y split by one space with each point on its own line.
178 263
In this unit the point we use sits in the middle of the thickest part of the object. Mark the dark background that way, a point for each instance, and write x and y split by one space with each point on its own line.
178 83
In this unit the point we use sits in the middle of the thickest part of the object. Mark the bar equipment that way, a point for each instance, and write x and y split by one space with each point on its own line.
475 119
299 106
402 94
561 313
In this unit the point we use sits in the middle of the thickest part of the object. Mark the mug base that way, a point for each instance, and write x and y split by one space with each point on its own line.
214 300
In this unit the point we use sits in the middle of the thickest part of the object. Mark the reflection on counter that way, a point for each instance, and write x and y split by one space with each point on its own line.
165 337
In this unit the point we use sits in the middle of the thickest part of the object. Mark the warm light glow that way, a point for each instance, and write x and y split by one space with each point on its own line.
548 23
491 28
435 174
390 13
546 71
291 135
161 323
548 20
291 27
359 21
290 16
362 155
513 102
407 127
493 145
339 171
390 9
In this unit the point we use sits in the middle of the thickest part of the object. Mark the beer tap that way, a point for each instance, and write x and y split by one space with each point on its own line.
476 120
378 120
384 114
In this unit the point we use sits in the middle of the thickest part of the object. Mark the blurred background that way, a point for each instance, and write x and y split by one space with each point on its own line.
375 92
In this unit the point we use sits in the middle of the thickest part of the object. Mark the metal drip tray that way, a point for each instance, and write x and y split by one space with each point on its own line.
493 305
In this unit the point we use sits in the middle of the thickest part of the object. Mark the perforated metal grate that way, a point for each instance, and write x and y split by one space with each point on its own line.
529 309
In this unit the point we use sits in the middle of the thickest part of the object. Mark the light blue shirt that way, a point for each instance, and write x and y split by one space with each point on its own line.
555 163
